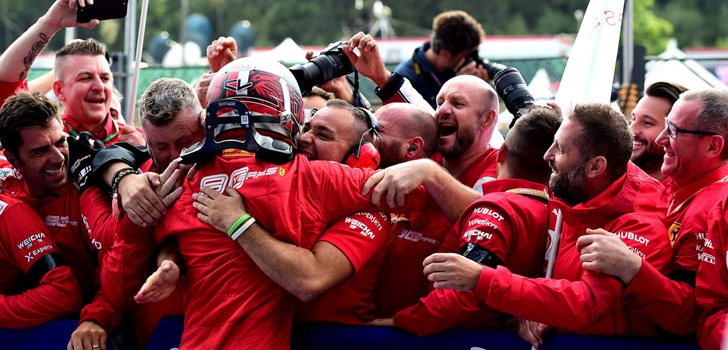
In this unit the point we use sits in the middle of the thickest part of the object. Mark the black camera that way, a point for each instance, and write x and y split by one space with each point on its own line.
511 88
329 64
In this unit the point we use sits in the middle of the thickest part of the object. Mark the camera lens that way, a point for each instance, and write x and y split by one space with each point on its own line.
513 90
331 63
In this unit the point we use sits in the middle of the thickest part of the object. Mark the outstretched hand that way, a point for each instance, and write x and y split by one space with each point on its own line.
604 252
160 284
62 14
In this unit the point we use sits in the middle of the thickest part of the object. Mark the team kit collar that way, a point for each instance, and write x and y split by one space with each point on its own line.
106 135
680 195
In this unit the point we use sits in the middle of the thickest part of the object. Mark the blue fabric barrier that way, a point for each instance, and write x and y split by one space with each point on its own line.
55 335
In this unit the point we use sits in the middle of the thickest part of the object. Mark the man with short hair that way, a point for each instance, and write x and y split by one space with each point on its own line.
172 118
407 132
597 187
648 120
466 118
696 163
455 35
83 82
35 144
506 226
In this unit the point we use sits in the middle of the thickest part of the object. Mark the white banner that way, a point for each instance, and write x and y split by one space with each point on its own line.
589 72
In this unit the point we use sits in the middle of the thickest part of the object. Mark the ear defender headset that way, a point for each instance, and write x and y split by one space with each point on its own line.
364 154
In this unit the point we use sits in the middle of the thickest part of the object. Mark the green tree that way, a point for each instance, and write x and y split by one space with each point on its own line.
650 30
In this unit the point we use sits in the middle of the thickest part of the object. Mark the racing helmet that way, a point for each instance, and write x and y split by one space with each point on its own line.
253 105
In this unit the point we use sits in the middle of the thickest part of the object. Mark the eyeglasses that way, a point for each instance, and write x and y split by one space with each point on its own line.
673 130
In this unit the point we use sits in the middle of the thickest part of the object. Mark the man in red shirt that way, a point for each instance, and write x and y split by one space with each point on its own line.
172 118
35 145
648 119
597 187
466 117
697 169
349 250
83 83
507 226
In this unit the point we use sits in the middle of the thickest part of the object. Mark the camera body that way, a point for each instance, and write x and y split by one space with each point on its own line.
101 10
329 64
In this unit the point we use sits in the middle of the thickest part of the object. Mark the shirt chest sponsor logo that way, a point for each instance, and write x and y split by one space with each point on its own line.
633 237
237 178
485 211
28 242
414 236
356 224
59 221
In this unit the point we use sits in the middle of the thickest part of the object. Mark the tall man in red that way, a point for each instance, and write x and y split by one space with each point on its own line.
597 187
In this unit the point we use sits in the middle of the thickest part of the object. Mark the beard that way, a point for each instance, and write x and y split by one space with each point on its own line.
650 159
463 140
389 154
571 185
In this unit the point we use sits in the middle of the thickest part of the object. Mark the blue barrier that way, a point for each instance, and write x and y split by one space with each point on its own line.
55 335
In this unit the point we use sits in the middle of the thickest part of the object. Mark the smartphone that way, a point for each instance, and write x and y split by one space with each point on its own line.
101 10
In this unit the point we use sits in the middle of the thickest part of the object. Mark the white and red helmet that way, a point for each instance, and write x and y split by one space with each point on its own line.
254 105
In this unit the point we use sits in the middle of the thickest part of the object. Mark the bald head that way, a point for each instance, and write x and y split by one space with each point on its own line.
407 132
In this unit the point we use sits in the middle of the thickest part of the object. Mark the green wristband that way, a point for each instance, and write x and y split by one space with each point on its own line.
240 221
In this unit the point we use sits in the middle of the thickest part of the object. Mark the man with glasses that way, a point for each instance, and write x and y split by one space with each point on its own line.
695 162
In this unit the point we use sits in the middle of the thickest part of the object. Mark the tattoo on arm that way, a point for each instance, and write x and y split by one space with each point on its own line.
34 51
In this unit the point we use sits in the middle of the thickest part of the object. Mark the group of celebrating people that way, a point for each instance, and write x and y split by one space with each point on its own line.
234 206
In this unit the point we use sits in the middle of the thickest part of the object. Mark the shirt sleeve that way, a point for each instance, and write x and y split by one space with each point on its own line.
359 236
569 305
27 236
488 226
58 292
123 271
440 310
98 219
711 285
10 89
339 187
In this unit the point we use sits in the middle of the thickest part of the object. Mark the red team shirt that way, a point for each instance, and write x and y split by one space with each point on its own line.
711 286
401 283
576 300
670 303
351 302
510 225
25 239
230 302
61 214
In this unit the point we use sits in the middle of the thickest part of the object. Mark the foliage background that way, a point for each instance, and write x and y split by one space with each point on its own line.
695 23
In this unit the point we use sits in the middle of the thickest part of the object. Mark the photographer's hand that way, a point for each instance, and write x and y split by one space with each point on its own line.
369 63
473 68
